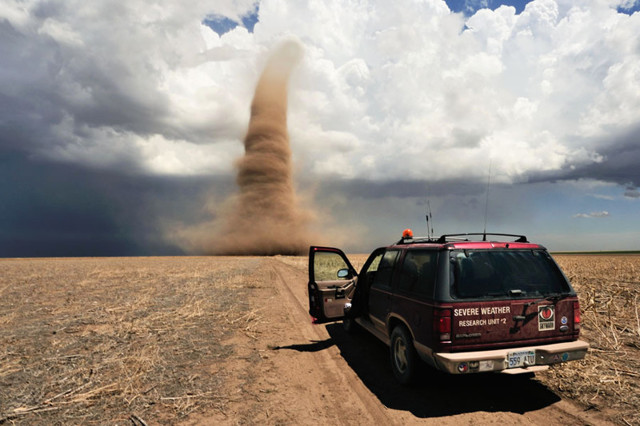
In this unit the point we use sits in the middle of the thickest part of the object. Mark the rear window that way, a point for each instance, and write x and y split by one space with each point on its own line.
494 273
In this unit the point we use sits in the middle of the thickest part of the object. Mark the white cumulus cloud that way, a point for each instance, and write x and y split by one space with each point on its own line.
386 90
592 215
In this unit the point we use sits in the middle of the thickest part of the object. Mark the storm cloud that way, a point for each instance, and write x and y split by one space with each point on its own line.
54 209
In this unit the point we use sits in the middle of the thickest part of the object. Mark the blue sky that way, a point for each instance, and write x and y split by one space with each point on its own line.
120 126
222 24
469 7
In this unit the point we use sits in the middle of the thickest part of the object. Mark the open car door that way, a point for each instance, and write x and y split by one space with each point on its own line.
332 282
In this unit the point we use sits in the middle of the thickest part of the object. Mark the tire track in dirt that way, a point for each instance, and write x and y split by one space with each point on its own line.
334 370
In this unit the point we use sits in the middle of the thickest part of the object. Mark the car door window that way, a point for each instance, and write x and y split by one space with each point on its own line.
382 279
418 272
327 265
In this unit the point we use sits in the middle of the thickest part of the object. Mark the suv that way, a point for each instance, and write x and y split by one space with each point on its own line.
461 305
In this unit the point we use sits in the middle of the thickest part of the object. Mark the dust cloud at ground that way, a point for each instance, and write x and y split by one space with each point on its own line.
265 217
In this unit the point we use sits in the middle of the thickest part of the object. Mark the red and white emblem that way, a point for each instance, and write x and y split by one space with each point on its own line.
546 318
546 313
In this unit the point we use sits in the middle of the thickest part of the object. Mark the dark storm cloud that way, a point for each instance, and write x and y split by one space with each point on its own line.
25 101
86 82
632 192
51 209
620 162
44 82
402 188
75 98
452 202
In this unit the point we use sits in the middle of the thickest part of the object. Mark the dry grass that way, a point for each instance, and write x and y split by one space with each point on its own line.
608 379
119 340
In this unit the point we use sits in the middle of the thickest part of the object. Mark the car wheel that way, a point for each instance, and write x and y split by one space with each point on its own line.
404 359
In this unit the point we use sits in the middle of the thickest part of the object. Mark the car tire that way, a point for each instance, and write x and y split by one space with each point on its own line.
404 359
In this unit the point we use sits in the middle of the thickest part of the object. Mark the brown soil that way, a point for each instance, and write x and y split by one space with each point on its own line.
220 340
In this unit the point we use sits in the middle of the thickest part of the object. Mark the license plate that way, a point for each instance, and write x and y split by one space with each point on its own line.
520 359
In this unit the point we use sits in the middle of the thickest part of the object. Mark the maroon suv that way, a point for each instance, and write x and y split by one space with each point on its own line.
462 306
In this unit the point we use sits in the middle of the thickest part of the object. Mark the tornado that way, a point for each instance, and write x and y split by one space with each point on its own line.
265 216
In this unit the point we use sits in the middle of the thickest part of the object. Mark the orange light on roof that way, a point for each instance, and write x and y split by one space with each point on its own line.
407 233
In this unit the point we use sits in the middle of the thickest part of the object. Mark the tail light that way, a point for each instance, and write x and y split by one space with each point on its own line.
442 324
576 315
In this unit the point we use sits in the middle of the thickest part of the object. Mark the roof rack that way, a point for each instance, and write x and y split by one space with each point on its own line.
451 237
460 237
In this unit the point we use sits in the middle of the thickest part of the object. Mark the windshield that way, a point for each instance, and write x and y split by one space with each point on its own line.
495 273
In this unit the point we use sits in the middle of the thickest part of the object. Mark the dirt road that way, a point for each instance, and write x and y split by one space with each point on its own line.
293 372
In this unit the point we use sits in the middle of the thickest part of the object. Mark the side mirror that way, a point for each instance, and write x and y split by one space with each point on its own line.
343 273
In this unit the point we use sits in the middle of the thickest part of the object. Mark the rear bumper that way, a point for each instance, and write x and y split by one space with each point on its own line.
497 360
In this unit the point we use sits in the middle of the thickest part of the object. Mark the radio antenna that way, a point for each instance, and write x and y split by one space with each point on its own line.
428 216
486 204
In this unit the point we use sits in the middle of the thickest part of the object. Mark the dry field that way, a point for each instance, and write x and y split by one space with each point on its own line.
110 341
211 340
609 378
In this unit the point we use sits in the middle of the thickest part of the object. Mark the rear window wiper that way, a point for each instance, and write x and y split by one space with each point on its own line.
554 297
